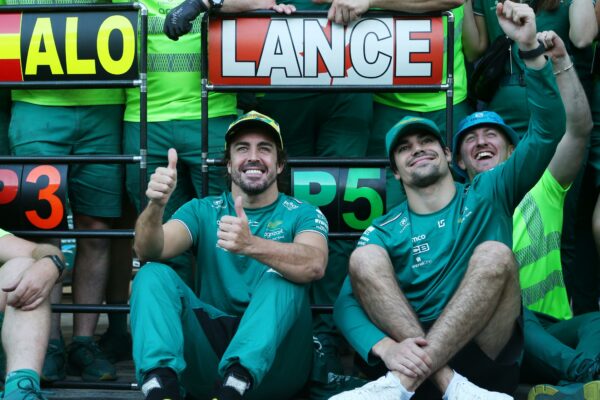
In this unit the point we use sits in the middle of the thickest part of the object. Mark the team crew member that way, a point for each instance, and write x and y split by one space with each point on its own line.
77 122
27 274
559 348
435 292
257 249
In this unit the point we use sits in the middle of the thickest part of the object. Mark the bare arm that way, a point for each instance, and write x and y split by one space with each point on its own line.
474 36
32 284
566 162
346 11
303 260
153 240
375 286
583 25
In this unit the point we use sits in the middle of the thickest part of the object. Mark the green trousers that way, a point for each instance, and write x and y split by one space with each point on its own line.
560 351
324 125
172 328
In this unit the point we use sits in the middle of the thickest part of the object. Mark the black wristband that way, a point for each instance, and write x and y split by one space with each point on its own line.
529 54
60 265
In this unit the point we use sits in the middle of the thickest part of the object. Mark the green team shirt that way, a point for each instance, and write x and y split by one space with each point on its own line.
537 228
227 280
426 102
66 97
174 74
430 253
3 232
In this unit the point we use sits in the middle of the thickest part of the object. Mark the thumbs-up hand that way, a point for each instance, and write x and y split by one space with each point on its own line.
163 181
234 232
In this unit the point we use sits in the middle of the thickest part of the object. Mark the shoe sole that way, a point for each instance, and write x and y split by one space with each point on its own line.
589 391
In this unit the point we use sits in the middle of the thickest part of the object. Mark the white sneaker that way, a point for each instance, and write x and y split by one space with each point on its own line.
387 387
465 390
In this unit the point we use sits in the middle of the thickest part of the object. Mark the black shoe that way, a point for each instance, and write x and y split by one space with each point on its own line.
226 393
161 384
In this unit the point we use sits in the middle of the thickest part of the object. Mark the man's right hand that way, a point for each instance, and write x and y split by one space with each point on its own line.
518 23
179 20
163 181
406 357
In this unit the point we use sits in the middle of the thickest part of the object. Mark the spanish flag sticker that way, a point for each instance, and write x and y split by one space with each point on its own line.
10 47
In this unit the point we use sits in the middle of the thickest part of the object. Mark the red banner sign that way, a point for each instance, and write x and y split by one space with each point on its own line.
296 51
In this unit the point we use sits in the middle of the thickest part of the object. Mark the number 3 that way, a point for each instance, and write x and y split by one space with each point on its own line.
48 194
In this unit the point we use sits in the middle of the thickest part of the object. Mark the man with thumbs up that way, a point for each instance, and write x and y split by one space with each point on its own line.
256 249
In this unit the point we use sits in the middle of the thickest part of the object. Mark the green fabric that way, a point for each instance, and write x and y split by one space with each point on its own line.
67 97
556 20
3 233
174 74
273 340
560 351
326 125
510 101
440 245
384 117
185 137
94 189
4 121
537 227
425 102
594 157
227 280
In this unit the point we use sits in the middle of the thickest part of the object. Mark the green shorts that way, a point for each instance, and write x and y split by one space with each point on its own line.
324 125
384 117
185 137
4 121
94 189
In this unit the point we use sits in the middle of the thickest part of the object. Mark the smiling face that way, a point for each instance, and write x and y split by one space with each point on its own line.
420 159
253 165
483 148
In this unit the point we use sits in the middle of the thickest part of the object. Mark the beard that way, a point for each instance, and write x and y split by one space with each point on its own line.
253 188
423 179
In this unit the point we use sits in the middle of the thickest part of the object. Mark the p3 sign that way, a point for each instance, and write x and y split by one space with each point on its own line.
68 46
350 198
33 196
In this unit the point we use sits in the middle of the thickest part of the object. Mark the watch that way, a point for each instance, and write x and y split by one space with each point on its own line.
215 4
529 54
60 264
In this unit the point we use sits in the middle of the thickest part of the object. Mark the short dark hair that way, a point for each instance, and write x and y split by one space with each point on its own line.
281 161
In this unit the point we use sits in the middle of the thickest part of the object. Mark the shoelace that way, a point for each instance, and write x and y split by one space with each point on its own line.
27 386
466 384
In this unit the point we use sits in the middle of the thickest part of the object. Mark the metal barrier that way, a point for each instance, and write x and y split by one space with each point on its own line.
213 23
107 73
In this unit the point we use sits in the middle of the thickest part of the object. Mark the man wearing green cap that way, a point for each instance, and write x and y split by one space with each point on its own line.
433 295
257 250
559 348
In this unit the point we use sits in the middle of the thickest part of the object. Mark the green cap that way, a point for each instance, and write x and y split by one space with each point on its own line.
407 125
254 119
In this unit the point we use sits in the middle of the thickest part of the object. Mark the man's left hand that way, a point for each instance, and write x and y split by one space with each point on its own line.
31 287
234 233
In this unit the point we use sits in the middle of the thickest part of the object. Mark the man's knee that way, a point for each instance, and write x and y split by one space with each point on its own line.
494 258
152 278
